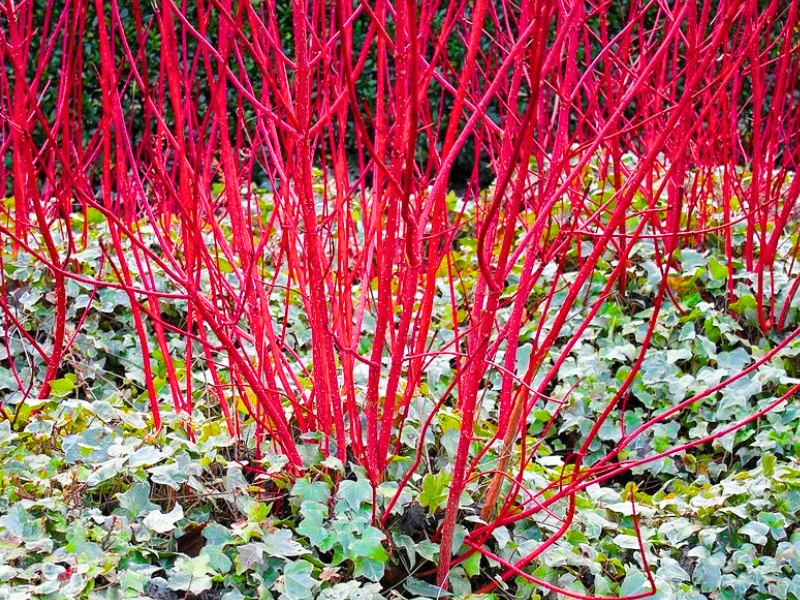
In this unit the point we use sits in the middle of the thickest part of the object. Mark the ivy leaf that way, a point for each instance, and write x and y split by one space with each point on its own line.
776 524
90 446
352 494
163 522
145 456
635 582
629 542
20 524
108 470
217 558
62 387
733 361
297 580
217 535
333 463
428 550
281 544
417 587
234 478
717 269
678 530
707 574
406 543
312 526
174 474
370 545
502 536
305 490
369 568
351 590
133 581
745 302
768 464
136 500
7 435
757 532
250 555
94 216
192 575
434 490
74 586
472 565
671 570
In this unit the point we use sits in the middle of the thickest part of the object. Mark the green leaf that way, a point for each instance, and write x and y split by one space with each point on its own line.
370 545
333 463
131 580
745 302
62 387
768 464
234 478
297 580
145 457
107 470
409 545
163 522
428 550
351 590
313 524
434 490
280 544
217 558
635 582
576 537
472 565
192 575
250 555
20 524
7 435
776 524
417 587
217 535
733 361
74 586
369 568
175 473
717 269
317 491
677 530
502 536
352 494
94 216
671 570
691 260
757 532
707 574
629 542
224 265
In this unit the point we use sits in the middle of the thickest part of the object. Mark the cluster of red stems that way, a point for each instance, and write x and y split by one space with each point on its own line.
541 89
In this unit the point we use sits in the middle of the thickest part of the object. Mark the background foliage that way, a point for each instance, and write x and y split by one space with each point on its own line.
235 220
